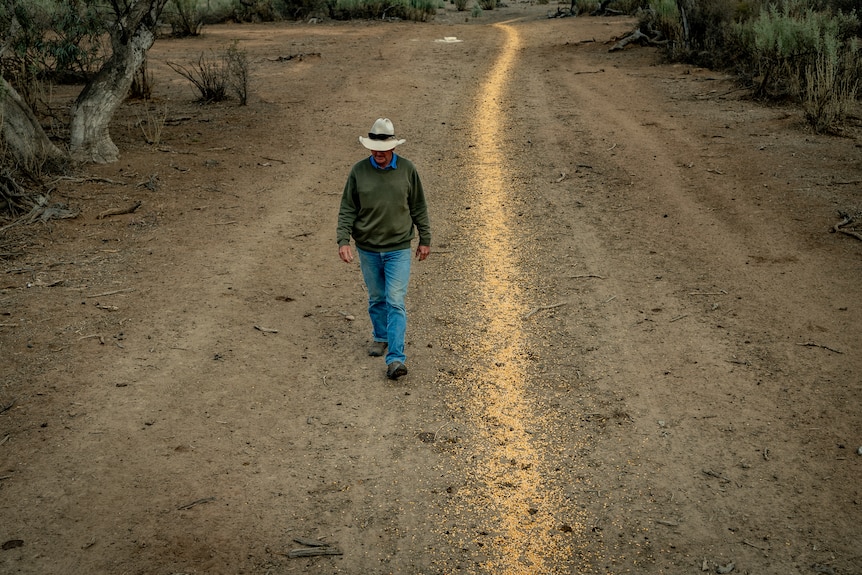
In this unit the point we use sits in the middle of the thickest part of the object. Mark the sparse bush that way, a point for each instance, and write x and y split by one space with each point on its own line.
210 77
238 71
585 6
417 10
487 4
152 123
217 76
186 17
832 83
666 19
460 5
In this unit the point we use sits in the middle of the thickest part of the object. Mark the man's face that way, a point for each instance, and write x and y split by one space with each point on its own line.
382 158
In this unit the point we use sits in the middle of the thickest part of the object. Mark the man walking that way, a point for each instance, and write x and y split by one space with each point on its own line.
382 203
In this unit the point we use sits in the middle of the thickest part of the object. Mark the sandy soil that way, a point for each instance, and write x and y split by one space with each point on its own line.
635 347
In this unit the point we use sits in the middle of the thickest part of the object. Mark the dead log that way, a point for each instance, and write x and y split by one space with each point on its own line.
635 36
638 36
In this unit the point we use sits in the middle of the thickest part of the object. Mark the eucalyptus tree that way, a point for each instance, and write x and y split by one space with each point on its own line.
37 34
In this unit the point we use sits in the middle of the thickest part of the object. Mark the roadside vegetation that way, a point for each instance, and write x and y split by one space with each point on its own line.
805 52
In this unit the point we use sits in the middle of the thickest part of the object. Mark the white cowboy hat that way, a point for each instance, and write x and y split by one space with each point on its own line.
381 138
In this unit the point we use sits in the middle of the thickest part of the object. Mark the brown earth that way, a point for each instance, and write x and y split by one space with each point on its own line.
635 347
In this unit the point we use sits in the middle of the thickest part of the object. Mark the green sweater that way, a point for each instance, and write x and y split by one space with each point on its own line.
379 208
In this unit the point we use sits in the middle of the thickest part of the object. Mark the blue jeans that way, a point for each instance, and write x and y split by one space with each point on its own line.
386 276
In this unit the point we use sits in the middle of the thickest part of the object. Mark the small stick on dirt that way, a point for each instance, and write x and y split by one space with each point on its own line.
196 502
668 523
119 211
107 293
719 292
812 344
5 439
582 276
716 475
265 329
98 335
310 542
8 406
536 310
744 542
679 317
8 325
313 552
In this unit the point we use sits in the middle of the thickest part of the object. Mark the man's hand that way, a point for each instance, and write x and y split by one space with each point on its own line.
422 252
345 253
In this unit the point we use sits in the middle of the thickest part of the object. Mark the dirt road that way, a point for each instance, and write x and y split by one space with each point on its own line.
634 349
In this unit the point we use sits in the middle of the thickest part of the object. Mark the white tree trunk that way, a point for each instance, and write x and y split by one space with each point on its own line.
22 135
93 110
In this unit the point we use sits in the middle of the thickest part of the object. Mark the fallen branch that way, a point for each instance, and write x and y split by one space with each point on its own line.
635 36
812 344
639 37
846 220
586 276
536 310
107 293
313 552
712 473
300 57
119 211
195 502
265 329
310 542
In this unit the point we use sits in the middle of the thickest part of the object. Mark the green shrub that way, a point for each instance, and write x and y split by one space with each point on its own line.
186 17
585 6
238 71
55 39
418 10
831 86
665 18
781 44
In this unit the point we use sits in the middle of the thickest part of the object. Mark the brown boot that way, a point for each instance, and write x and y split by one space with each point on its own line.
377 348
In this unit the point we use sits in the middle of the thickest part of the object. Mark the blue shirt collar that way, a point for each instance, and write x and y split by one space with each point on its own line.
392 165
